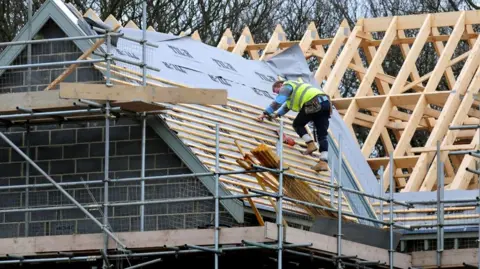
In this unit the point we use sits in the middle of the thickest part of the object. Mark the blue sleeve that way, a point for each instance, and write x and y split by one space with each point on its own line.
280 99
283 110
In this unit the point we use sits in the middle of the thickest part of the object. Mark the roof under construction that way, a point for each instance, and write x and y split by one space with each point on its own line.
182 85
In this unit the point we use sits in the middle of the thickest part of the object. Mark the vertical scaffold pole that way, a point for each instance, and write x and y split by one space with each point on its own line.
390 177
27 138
217 179
439 239
332 184
280 200
106 178
29 46
381 172
339 203
142 173
144 44
27 181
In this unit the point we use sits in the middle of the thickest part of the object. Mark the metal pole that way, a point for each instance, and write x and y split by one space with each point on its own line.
280 199
442 220
217 179
142 173
20 152
381 192
29 48
332 186
144 45
390 175
339 202
52 40
21 66
108 58
439 163
106 170
27 180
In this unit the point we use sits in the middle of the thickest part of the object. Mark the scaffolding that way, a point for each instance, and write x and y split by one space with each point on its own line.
281 247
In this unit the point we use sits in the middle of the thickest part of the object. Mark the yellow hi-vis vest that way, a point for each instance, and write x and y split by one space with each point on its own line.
302 93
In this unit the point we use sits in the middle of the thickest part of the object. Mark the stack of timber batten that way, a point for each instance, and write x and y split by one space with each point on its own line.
294 188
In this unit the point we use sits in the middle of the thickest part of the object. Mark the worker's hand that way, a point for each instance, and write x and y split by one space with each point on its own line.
261 117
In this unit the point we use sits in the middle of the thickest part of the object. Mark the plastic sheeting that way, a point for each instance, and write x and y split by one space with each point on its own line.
190 62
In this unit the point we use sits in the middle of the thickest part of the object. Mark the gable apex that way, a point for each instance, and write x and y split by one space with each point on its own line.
61 15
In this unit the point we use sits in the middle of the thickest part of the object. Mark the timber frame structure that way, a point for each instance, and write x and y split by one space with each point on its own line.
391 107
402 104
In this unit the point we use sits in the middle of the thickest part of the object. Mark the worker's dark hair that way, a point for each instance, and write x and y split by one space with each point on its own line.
277 83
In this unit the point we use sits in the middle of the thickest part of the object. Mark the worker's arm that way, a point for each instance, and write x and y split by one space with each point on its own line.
281 98
283 110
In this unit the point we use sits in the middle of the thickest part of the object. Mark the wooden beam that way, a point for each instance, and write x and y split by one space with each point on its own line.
39 101
432 85
399 82
462 179
226 42
133 240
277 36
400 162
416 21
371 72
445 148
143 93
324 68
341 64
242 42
449 111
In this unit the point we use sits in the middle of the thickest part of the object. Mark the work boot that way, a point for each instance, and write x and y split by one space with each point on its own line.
310 148
320 166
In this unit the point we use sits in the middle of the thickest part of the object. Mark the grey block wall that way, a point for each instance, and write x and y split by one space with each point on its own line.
75 152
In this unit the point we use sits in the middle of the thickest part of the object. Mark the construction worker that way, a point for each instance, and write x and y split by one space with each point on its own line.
312 104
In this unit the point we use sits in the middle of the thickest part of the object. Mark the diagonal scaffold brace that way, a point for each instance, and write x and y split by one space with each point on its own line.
62 190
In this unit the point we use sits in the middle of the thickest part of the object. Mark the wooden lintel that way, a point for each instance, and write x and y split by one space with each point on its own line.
146 94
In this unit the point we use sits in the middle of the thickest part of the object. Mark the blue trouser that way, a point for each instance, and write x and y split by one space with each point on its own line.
320 120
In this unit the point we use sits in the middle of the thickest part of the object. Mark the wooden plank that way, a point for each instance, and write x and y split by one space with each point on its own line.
133 240
416 21
327 243
401 162
463 178
41 101
143 93
254 208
